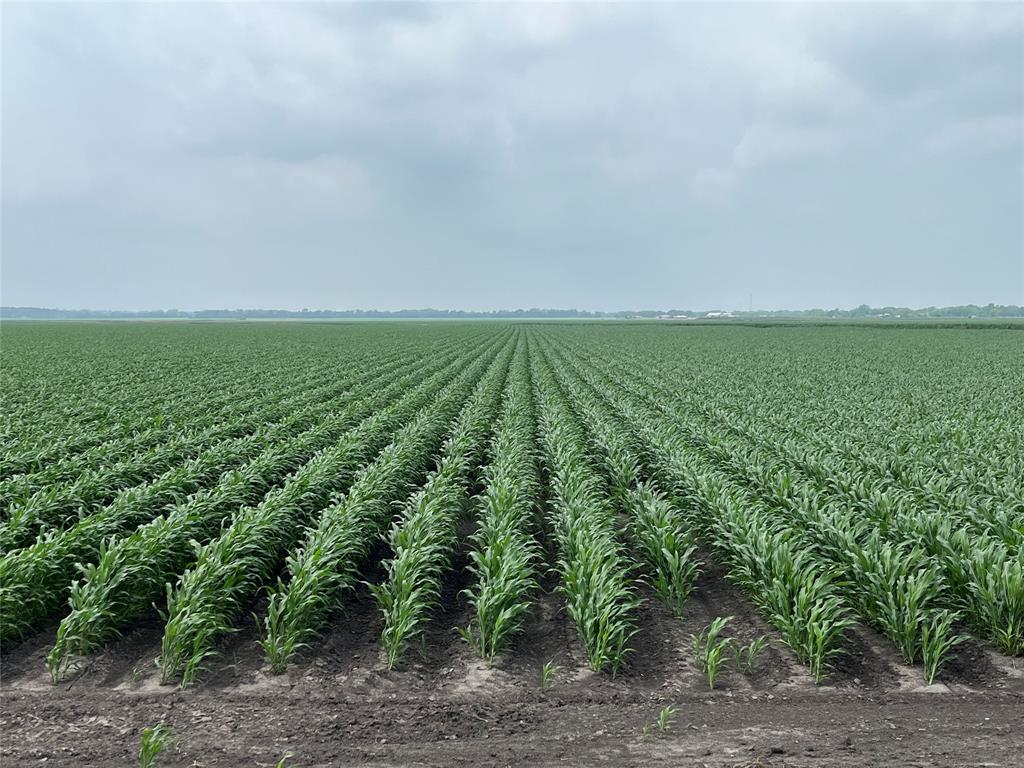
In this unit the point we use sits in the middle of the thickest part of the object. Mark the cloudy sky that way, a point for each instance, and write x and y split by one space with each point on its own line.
483 156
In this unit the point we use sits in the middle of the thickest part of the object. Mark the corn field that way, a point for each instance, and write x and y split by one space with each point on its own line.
258 480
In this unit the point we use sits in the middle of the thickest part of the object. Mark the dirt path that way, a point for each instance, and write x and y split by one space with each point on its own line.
83 728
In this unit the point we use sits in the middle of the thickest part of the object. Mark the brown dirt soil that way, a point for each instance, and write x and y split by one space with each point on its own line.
338 706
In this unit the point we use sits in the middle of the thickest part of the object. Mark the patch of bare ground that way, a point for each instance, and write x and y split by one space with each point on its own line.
971 666
714 596
869 660
324 726
23 663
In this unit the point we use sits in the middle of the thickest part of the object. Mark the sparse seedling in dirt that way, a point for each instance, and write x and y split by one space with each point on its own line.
663 722
709 651
665 718
746 655
547 674
154 741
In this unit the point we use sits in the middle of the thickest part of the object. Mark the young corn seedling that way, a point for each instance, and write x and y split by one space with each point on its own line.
746 655
665 718
710 651
547 674
154 741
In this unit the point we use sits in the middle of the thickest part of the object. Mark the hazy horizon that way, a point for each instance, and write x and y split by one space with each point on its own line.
495 310
468 156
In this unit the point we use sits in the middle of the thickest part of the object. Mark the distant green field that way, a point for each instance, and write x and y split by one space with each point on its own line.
840 474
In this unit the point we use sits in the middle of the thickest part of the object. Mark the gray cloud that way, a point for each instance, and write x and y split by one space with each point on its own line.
480 156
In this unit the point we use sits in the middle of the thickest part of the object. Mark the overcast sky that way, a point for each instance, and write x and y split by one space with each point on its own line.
482 156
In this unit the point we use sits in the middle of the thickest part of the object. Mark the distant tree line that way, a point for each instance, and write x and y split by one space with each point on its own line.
863 311
39 313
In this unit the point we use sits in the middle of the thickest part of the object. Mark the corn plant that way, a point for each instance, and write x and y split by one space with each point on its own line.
747 655
903 592
986 580
154 741
665 545
710 651
994 598
547 674
937 642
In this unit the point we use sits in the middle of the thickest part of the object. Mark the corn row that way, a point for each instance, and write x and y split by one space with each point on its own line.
425 533
46 509
893 585
964 540
958 567
230 569
797 593
131 574
595 573
325 565
134 425
895 406
665 544
121 396
505 554
34 581
912 468
93 477
50 447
